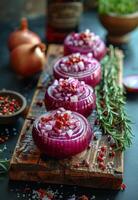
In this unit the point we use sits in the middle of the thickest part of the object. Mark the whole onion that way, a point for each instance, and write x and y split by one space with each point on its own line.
85 43
90 75
82 100
63 141
22 36
28 59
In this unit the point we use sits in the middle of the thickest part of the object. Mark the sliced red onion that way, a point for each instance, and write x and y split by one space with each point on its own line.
90 73
85 43
64 142
82 100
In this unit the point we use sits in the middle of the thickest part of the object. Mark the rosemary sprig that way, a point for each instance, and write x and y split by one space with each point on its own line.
4 164
110 103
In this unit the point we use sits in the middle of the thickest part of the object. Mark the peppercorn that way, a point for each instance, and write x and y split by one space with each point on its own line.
101 154
39 103
103 148
8 105
76 165
111 154
102 165
99 159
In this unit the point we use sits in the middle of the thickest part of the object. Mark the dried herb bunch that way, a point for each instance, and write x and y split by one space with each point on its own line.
110 103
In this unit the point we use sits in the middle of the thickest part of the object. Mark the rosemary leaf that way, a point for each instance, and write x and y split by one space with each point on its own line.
110 103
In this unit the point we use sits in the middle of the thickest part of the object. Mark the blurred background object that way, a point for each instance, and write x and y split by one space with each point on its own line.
63 18
90 4
15 9
119 18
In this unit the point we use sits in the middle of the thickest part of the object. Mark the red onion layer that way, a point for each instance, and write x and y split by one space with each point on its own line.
85 43
63 141
90 75
81 100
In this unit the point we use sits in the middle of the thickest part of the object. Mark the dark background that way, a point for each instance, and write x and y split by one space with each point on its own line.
8 80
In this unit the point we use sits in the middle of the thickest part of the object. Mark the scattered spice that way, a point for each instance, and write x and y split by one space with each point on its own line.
112 154
100 159
123 186
102 166
95 137
47 194
8 105
83 197
3 138
76 165
86 163
103 148
39 103
101 154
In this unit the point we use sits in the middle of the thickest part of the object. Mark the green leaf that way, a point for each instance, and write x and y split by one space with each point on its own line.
116 122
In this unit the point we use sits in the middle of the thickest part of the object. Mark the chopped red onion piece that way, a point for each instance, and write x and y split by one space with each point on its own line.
84 43
70 94
63 140
79 66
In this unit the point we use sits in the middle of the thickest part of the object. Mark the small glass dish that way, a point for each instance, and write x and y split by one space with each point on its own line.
131 83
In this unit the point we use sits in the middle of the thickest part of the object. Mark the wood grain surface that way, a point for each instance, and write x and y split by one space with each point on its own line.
28 164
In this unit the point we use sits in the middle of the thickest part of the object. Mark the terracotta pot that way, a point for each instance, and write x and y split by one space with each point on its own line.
118 27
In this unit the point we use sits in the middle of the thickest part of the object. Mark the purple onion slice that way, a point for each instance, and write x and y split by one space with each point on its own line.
62 133
85 43
81 67
71 94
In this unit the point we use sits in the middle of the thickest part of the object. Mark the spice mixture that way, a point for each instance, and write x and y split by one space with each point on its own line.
8 105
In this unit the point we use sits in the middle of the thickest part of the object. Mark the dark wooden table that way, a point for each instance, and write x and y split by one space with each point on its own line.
15 190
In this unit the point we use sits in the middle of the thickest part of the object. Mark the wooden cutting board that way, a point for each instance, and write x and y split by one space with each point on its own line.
28 164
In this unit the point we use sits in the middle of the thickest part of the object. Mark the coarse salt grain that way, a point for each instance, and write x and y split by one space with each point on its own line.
90 55
81 42
81 65
65 69
48 127
55 82
74 98
70 133
87 31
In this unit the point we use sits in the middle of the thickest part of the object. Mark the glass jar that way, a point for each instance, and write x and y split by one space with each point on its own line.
63 17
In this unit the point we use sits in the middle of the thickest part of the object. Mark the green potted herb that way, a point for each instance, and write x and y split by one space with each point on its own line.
119 17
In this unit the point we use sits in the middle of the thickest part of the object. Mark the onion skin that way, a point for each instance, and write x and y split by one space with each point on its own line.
22 36
63 148
90 78
28 59
84 106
